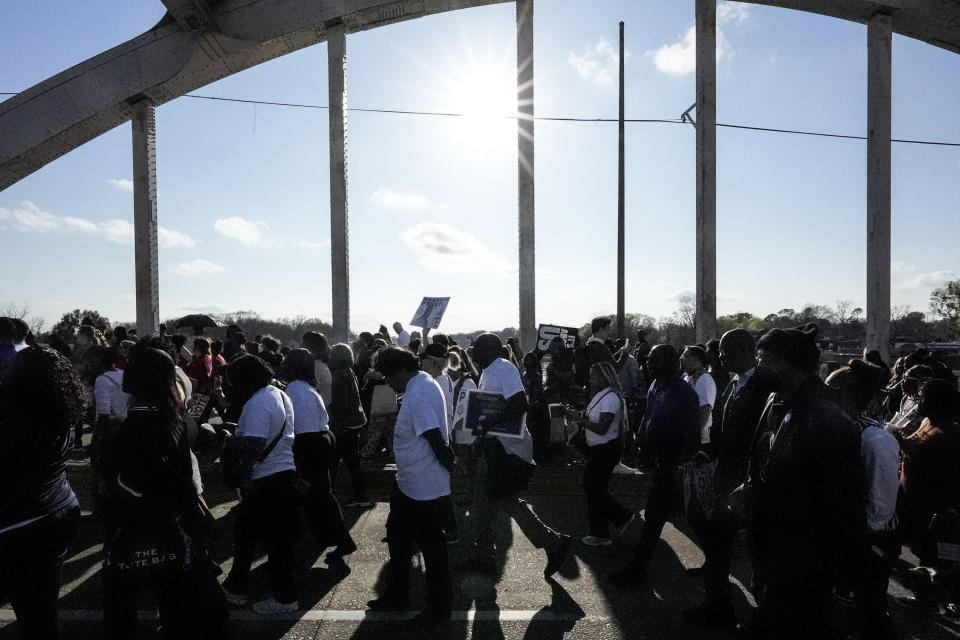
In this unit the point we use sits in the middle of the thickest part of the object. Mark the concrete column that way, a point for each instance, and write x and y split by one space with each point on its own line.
339 240
144 128
706 303
525 175
879 50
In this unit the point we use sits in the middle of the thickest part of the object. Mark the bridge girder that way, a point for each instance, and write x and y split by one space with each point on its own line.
201 41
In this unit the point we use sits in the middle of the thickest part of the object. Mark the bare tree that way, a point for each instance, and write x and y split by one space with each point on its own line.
686 313
899 312
843 311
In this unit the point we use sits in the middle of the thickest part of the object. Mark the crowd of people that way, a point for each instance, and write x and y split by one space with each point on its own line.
829 478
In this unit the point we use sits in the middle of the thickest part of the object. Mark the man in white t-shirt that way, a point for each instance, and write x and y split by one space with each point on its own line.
694 363
403 336
509 463
434 362
420 502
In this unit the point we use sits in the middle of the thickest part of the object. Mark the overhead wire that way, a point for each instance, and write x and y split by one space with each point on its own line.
450 114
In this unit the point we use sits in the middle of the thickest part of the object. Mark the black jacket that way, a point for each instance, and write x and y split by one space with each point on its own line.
810 512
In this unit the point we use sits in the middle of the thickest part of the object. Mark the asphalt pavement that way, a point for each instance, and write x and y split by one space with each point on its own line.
512 602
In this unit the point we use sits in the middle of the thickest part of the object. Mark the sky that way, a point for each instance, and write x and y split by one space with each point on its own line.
243 190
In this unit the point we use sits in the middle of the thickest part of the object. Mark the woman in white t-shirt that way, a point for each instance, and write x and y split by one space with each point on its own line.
269 510
315 453
604 423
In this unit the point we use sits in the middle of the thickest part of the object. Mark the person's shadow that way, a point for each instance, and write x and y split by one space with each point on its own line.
557 618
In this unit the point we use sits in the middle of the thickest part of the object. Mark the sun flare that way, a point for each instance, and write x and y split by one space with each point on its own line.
488 102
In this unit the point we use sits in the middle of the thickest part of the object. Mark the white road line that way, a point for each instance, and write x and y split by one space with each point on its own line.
358 615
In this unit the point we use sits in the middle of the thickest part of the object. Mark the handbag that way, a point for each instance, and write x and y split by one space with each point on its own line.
228 463
141 549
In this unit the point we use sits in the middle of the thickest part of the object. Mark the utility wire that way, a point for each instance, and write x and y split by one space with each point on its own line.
447 114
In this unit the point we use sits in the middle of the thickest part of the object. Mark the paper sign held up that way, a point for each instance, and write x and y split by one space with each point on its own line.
429 313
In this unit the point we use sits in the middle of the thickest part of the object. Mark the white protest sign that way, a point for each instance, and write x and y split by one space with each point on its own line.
429 313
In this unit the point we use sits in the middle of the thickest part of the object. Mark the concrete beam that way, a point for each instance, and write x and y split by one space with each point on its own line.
144 130
525 174
339 237
706 296
879 51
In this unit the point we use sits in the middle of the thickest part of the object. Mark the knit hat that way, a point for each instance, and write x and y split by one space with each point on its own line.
798 346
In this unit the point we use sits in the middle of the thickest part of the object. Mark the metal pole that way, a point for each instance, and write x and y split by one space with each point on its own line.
525 174
143 125
706 304
621 232
339 237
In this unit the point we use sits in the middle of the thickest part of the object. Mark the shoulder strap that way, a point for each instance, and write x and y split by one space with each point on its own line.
273 443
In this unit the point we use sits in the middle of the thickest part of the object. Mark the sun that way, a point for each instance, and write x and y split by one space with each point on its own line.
488 101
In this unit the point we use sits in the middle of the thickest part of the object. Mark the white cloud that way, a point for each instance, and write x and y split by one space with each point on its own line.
121 185
195 307
118 231
680 58
441 247
29 218
599 63
170 239
308 244
389 199
246 232
731 12
683 293
909 280
198 267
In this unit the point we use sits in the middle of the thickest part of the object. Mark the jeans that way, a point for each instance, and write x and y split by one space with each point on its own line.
602 509
664 494
416 524
269 514
315 455
31 561
348 450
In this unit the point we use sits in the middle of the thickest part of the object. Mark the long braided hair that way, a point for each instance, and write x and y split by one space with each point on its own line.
610 376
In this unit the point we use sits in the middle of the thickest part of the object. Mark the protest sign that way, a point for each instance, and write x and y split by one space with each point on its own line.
429 313
547 332
473 404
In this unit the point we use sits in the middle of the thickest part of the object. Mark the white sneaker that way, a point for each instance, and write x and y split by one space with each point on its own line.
270 606
234 598
596 541
624 470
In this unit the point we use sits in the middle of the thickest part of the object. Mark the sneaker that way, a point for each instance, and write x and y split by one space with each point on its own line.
710 614
358 504
596 541
923 604
271 606
622 529
630 575
236 599
384 603
556 558
624 470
